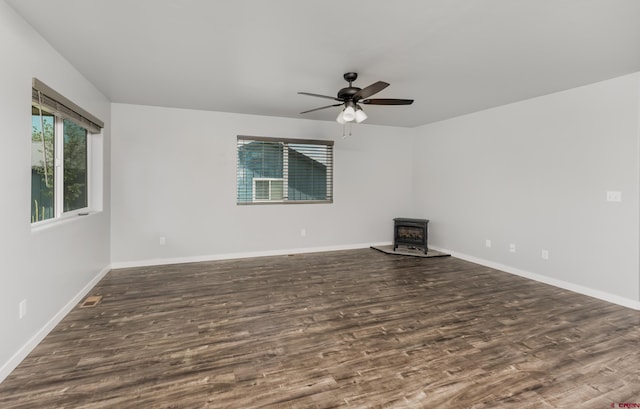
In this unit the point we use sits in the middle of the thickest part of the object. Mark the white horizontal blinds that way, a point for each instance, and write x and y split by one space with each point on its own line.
50 100
310 172
277 170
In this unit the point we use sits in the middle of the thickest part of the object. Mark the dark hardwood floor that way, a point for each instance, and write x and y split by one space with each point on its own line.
353 329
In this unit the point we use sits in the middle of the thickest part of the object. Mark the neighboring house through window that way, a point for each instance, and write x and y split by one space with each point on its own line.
276 170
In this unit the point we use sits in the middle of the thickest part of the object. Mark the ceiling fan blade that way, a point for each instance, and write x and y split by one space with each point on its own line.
317 109
320 96
370 90
387 101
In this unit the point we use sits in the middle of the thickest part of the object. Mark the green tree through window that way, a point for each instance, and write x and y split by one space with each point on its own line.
42 170
75 166
45 176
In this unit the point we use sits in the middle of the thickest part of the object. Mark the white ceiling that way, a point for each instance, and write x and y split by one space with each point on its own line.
253 56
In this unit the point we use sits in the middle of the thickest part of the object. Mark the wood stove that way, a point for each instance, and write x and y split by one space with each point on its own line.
411 233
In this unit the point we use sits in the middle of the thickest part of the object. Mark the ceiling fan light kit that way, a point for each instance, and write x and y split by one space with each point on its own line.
351 97
360 115
349 113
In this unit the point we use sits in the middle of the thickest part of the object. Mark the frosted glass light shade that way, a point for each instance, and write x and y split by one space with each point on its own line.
349 113
340 118
360 115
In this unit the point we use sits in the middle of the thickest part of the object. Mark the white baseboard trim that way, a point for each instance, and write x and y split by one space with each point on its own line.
576 288
22 353
230 256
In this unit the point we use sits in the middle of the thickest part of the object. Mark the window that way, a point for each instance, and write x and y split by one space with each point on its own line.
268 189
274 170
59 154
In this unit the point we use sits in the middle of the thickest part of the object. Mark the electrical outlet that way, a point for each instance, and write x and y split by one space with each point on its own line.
512 248
163 240
303 232
545 254
487 243
22 309
614 196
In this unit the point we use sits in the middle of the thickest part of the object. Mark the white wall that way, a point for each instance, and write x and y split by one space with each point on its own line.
49 267
174 176
536 173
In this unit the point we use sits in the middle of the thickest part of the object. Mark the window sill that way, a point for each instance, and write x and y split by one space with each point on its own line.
283 202
64 219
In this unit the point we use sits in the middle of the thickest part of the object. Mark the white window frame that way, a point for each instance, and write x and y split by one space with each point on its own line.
270 180
51 102
58 175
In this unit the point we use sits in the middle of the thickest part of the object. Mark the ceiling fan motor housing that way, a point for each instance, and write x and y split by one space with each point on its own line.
350 91
347 93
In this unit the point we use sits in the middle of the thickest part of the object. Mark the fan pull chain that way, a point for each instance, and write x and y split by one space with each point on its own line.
344 129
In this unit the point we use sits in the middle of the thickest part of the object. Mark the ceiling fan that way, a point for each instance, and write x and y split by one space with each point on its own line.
351 97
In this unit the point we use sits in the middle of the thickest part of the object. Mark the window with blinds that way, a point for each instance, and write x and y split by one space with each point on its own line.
60 161
50 100
276 170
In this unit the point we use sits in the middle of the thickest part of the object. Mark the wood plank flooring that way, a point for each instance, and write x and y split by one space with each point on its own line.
348 329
